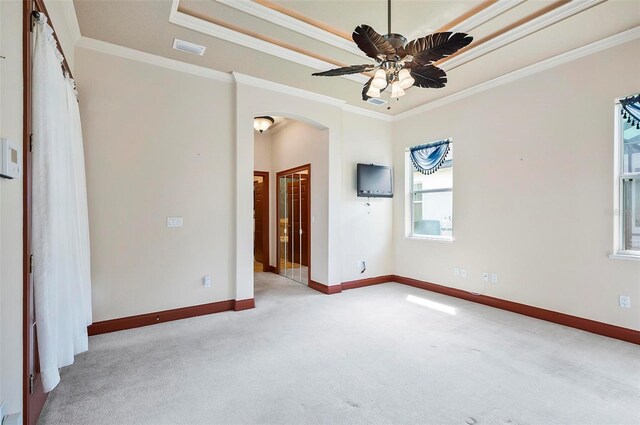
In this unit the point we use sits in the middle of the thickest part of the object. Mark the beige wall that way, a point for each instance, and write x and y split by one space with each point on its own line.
533 190
262 151
11 210
158 143
367 231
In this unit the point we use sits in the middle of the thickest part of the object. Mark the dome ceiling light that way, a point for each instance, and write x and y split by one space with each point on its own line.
262 124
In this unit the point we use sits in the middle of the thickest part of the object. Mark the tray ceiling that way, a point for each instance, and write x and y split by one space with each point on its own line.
285 41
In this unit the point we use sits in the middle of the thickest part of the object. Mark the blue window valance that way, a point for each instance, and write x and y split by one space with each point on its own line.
428 158
631 110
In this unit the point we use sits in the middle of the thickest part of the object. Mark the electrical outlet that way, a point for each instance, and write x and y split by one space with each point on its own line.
625 301
175 222
463 272
207 281
485 276
456 271
494 277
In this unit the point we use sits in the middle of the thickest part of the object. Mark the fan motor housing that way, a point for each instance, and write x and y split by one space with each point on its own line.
396 40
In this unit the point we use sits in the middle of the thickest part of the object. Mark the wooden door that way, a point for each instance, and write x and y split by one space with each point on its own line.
261 218
258 218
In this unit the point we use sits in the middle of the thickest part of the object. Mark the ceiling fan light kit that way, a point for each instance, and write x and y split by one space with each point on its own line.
401 64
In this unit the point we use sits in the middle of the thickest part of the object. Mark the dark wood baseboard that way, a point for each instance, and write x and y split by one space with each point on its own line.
329 290
240 305
581 323
272 269
147 319
352 284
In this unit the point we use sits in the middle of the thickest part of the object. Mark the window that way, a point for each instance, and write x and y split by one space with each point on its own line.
431 199
628 178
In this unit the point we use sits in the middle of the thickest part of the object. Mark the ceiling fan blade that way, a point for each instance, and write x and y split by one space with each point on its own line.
353 69
435 46
372 43
428 76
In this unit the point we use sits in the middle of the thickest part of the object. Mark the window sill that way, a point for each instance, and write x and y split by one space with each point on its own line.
431 238
625 256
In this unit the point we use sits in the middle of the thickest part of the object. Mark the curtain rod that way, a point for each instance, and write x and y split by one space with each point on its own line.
41 8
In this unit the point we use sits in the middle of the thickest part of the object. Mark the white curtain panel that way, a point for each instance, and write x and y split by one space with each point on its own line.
60 232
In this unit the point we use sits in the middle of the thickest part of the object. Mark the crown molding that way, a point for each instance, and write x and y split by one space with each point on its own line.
196 24
149 58
284 89
293 24
556 15
597 46
69 12
368 113
485 15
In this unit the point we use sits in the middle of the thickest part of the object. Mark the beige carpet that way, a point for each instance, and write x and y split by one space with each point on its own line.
385 354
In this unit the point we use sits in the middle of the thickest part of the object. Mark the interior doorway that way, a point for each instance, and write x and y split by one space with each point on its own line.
293 215
260 221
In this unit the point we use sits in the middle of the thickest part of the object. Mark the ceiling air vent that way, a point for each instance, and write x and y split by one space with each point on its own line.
376 101
185 46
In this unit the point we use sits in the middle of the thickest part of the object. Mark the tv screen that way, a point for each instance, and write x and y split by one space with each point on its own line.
375 181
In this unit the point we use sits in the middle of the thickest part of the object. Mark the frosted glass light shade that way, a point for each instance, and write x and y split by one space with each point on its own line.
373 92
379 79
405 78
262 123
396 90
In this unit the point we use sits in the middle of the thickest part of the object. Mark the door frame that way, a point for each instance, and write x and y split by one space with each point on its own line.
266 221
279 174
33 395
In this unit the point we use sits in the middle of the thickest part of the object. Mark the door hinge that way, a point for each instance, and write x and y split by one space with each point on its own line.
31 381
31 263
31 143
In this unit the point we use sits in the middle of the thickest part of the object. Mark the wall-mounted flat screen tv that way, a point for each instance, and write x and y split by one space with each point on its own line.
375 181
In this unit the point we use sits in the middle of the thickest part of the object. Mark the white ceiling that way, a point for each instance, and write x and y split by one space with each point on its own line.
286 41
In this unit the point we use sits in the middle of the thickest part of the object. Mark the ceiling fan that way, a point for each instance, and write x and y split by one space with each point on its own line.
401 64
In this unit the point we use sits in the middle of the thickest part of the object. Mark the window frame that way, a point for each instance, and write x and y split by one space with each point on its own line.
409 234
619 177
